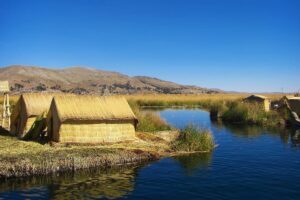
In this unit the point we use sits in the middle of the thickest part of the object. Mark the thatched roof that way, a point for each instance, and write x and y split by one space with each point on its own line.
257 96
36 103
289 97
94 108
4 86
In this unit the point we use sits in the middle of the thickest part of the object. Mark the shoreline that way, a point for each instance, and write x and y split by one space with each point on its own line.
53 165
26 158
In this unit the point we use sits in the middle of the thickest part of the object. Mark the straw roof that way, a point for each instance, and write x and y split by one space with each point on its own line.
94 108
4 86
289 97
36 103
257 96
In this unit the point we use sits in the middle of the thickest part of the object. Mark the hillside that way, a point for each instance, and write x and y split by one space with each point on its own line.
89 81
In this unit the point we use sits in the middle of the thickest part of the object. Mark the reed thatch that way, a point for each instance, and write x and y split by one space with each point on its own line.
90 119
28 107
259 99
4 86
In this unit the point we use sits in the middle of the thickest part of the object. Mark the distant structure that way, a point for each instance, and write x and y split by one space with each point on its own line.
259 99
4 89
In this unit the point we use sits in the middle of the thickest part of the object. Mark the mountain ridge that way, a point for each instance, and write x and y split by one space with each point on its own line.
86 80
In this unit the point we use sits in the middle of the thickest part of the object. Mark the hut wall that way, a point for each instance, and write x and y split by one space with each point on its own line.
95 132
295 106
27 126
267 105
53 123
22 121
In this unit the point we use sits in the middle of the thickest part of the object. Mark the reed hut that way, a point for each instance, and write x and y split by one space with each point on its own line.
27 109
259 99
90 119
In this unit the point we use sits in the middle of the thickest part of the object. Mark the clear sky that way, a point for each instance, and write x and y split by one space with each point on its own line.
240 45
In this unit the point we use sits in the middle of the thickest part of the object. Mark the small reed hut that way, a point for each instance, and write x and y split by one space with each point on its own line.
27 109
259 99
90 119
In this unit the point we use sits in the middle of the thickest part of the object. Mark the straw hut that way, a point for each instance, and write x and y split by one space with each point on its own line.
27 109
90 119
259 99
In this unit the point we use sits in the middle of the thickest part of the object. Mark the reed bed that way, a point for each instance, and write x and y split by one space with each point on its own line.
227 106
251 113
193 139
204 101
24 158
148 121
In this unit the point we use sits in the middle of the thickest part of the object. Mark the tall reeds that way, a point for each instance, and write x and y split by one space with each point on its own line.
148 121
250 113
193 138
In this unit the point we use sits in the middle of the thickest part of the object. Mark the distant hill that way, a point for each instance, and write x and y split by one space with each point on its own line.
82 80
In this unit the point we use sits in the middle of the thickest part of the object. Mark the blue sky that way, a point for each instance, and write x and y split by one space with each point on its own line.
241 45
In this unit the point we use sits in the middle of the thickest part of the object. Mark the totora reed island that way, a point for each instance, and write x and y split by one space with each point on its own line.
172 99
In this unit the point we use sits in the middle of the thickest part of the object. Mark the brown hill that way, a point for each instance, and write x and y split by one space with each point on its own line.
87 80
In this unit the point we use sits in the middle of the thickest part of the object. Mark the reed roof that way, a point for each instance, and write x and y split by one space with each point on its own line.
36 103
257 96
93 108
292 97
4 86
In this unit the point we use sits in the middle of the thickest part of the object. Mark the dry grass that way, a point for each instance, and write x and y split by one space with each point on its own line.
202 100
198 97
173 98
21 158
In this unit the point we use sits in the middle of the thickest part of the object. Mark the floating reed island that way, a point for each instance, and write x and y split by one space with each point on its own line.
55 133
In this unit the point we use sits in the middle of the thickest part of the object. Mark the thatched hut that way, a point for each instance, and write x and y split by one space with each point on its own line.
27 109
90 119
259 99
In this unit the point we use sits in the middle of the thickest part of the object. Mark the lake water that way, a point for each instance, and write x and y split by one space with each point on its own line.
249 163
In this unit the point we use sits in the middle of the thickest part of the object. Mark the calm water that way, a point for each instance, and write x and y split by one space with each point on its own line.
249 163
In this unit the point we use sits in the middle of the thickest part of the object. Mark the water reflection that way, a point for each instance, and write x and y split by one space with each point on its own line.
287 135
295 138
83 184
162 108
194 162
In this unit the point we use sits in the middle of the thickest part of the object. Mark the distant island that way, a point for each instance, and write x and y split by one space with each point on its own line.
82 80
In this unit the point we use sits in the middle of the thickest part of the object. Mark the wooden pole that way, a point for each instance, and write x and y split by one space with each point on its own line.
3 111
8 110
